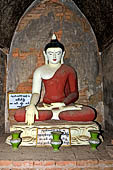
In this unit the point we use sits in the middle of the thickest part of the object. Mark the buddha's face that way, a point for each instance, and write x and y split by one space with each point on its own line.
54 55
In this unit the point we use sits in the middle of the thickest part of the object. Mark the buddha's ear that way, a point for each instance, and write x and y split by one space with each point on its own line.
46 58
62 59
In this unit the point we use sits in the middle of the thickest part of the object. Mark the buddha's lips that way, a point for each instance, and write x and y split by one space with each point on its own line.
54 59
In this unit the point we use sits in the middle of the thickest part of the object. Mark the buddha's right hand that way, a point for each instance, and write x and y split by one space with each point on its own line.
30 112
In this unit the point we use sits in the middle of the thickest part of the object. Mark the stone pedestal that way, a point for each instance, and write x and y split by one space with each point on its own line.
78 131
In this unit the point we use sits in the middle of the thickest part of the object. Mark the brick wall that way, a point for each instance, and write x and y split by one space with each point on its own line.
2 91
57 165
35 30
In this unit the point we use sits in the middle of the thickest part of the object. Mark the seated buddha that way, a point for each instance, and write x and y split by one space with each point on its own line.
60 91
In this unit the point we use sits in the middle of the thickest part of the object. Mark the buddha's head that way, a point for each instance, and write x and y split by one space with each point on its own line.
54 51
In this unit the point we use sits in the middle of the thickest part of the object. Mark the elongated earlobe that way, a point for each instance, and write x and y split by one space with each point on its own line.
46 58
62 59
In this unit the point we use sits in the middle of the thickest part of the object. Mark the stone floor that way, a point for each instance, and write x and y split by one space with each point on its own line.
82 156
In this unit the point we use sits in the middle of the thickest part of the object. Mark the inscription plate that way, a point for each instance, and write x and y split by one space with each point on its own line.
18 100
44 136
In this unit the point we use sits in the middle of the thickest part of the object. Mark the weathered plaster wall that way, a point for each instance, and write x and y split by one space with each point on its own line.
107 58
2 91
35 29
99 14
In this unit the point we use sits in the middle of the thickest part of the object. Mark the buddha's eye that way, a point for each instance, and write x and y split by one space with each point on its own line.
58 52
50 53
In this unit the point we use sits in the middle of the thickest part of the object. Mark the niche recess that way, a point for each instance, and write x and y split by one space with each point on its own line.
35 29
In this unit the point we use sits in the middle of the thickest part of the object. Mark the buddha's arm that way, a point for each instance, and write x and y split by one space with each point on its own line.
72 97
73 85
34 98
36 89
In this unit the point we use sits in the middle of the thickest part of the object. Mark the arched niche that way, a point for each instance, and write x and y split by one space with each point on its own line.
35 29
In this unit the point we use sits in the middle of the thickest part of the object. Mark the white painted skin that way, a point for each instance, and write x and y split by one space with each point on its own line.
54 57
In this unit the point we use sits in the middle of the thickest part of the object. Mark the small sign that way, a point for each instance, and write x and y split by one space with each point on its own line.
18 100
44 136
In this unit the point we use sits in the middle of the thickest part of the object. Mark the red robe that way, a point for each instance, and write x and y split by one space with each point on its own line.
62 87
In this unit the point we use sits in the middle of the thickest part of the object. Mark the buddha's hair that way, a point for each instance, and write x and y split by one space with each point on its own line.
54 43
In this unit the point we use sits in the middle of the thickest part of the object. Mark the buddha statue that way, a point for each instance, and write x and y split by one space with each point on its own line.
60 91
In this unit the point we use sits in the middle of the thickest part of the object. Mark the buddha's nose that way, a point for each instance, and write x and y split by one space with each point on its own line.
54 55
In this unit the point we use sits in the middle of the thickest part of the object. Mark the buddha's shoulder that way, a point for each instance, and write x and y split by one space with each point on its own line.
40 69
68 68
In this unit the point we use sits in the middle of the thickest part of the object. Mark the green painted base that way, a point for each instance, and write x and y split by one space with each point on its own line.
15 143
56 141
93 146
56 145
16 134
94 141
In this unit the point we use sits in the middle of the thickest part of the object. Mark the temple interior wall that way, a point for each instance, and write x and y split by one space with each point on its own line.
35 30
107 67
2 91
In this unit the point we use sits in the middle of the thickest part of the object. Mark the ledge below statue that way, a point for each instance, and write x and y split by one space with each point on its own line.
79 134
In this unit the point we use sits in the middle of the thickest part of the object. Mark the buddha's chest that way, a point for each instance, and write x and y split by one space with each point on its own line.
48 73
58 79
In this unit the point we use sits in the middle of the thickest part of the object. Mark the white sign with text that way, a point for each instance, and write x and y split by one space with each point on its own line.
18 100
44 136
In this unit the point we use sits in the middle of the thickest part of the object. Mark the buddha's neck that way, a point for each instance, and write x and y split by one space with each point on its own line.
54 65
